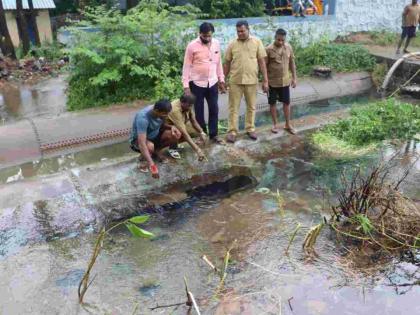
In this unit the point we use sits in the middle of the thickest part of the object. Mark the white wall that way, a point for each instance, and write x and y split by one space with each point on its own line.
351 16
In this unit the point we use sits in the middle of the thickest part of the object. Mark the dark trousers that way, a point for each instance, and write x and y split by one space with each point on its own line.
211 94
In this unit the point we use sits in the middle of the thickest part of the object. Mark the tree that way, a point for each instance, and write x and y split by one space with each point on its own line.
32 20
22 27
6 44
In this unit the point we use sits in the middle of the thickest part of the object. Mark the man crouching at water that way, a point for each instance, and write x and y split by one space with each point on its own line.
150 135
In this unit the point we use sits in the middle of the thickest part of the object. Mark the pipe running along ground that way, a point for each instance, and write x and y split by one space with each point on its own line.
392 70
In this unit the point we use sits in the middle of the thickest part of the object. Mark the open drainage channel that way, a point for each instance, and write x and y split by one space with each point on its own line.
43 227
67 160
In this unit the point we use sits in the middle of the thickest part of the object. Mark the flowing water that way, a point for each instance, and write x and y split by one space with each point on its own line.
134 275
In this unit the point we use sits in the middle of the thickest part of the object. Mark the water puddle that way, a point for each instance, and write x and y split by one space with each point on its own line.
46 98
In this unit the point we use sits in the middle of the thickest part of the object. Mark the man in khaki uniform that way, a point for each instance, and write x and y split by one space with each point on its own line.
410 20
243 57
183 118
280 63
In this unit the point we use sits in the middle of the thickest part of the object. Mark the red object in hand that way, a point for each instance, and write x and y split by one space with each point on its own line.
154 169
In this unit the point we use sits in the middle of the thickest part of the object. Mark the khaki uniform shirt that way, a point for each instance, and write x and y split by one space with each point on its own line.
244 56
413 15
280 61
178 118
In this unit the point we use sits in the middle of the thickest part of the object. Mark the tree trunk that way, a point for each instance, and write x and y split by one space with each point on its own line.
22 27
6 44
34 25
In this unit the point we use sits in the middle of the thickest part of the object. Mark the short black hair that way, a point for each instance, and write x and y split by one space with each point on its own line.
188 98
242 23
163 106
206 27
281 32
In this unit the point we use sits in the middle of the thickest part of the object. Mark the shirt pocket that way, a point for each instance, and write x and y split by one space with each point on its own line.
252 51
215 56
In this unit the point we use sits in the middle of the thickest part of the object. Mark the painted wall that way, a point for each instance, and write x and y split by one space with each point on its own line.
350 16
12 26
44 26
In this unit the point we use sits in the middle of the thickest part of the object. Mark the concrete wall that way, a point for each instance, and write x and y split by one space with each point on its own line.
43 21
350 16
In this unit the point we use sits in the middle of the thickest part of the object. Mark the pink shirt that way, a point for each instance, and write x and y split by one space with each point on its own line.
202 64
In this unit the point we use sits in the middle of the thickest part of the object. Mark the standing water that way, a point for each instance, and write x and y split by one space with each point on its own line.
19 101
137 275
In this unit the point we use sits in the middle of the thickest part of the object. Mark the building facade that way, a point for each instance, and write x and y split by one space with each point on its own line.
43 21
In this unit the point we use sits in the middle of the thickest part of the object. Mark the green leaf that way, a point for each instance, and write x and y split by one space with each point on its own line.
139 219
138 232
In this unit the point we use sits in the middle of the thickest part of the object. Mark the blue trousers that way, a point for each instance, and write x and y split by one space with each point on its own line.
211 94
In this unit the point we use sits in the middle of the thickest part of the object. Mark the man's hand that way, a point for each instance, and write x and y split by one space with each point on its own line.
175 132
154 170
265 87
203 137
201 156
187 91
294 83
222 87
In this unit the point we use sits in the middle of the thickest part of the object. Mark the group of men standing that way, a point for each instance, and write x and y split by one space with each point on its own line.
167 124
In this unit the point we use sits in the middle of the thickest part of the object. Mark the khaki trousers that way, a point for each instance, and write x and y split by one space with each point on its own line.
235 95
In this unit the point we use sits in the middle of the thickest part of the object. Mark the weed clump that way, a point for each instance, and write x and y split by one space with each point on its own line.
372 213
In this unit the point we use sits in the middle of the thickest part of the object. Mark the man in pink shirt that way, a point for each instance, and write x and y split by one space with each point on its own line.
202 75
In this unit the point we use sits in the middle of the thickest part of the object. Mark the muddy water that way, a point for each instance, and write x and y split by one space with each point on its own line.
138 274
46 98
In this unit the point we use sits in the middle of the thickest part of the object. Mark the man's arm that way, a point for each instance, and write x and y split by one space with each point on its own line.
261 56
263 69
183 129
219 69
142 141
292 66
226 68
228 61
188 58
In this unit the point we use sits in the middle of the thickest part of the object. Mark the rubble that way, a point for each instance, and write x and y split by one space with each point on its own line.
29 69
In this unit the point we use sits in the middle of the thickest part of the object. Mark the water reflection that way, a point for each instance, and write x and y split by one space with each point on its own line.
18 101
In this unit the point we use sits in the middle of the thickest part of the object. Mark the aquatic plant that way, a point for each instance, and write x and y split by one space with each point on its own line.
136 231
292 237
369 125
371 211
311 237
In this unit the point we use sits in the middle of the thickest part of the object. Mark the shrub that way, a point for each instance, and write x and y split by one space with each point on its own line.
339 57
218 9
132 56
